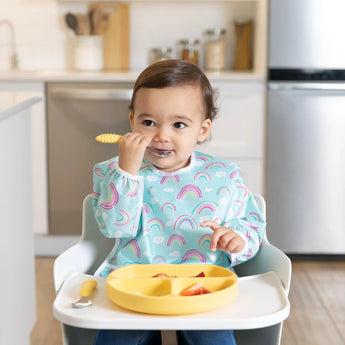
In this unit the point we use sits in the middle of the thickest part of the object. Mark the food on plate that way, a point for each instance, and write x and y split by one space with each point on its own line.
195 289
164 275
161 275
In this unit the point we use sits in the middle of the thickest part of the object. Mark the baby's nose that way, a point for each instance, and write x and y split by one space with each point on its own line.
161 135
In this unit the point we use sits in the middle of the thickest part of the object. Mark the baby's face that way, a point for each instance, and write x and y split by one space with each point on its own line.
174 118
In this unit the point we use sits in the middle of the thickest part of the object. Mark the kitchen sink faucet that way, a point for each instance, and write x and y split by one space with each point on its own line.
9 62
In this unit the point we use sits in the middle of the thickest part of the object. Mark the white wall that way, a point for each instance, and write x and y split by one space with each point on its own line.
40 32
44 41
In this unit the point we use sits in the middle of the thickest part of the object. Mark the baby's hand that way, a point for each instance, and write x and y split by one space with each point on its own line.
224 238
132 147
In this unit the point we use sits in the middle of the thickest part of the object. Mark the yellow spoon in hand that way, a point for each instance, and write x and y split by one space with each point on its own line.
115 138
108 138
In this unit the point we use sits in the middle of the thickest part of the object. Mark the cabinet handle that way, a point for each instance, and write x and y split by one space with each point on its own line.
92 94
307 86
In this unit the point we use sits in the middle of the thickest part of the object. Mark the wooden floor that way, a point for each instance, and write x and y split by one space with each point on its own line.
317 298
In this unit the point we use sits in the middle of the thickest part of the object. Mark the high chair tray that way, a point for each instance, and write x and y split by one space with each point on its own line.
260 302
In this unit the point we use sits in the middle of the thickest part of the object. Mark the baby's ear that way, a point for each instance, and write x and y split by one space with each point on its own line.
205 130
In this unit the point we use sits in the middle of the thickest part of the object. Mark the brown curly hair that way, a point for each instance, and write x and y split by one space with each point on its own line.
173 73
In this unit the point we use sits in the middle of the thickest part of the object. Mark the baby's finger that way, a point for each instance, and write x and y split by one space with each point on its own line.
231 244
142 140
146 140
210 223
217 237
135 137
216 234
236 244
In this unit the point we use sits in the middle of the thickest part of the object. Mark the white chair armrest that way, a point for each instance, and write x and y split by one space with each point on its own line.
269 258
79 258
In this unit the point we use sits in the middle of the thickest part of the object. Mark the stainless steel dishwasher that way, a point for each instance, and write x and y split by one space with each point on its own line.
77 112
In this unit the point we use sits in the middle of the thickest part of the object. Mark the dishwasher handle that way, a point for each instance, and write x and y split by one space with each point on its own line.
305 86
92 94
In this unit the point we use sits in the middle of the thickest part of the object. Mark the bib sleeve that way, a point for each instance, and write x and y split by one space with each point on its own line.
245 217
117 200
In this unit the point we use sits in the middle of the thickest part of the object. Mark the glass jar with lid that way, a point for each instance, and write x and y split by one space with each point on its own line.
188 50
215 49
159 54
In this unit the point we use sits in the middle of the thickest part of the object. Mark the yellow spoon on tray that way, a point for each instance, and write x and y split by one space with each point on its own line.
108 138
85 292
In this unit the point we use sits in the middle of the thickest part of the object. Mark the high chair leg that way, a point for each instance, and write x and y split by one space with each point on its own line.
75 335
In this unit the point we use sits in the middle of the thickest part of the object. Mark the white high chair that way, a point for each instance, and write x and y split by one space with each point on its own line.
87 255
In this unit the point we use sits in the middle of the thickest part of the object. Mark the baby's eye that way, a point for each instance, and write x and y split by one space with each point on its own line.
148 123
179 125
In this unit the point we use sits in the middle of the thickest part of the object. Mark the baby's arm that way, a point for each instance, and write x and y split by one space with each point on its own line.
243 228
117 200
248 223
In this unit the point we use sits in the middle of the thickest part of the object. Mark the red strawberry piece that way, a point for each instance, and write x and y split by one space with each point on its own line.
160 275
195 289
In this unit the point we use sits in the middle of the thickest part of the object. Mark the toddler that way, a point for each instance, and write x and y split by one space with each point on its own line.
166 203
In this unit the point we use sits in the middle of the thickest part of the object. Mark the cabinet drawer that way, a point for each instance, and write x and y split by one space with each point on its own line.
252 172
238 130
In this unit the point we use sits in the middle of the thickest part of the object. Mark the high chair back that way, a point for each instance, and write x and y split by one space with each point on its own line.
91 250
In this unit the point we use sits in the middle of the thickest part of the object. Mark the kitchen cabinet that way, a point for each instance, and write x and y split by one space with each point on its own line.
17 239
238 130
38 144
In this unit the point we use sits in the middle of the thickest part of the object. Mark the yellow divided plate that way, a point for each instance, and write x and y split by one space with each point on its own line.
134 287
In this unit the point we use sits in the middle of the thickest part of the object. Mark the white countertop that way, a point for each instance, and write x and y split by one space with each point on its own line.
13 102
125 76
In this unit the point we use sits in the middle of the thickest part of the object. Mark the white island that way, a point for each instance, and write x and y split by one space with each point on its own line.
17 291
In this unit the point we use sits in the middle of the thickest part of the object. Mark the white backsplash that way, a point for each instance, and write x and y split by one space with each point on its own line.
44 41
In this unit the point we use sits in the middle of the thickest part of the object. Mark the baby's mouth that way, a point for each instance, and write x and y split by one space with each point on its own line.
159 152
